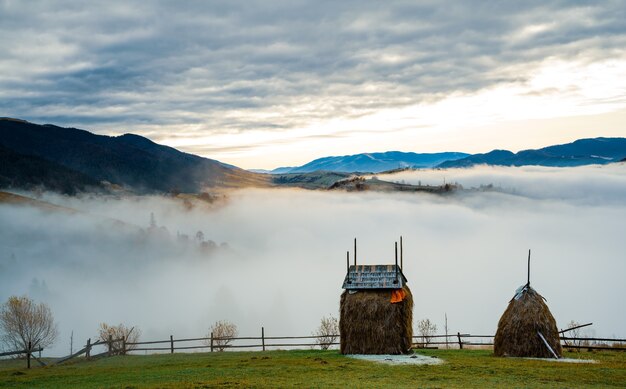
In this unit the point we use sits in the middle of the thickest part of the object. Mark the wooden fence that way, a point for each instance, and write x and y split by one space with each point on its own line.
110 344
263 342
29 353
213 343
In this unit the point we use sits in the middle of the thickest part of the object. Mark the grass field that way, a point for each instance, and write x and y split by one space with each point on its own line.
318 369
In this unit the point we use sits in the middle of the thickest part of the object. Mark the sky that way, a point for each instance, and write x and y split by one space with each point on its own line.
283 261
261 84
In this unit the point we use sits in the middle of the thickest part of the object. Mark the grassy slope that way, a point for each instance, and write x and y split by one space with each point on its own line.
318 369
14 199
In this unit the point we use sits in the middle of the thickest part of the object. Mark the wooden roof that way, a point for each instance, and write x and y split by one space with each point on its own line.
374 277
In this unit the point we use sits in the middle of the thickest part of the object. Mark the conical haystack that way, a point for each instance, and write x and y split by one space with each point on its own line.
371 324
525 318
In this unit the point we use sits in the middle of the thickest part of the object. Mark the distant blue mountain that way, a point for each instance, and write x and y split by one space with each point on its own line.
581 152
373 162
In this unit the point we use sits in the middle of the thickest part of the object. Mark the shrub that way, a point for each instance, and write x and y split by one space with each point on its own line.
222 333
426 329
327 332
121 336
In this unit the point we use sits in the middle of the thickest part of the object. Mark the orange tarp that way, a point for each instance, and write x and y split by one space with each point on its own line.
397 295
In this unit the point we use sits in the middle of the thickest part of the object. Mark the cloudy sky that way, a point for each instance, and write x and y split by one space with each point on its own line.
269 83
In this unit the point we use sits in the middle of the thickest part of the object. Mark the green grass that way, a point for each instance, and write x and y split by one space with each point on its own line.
318 369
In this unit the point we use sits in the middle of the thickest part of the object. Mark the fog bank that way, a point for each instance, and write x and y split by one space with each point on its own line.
276 258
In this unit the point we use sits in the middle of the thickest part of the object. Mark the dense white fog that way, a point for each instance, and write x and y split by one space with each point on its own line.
279 255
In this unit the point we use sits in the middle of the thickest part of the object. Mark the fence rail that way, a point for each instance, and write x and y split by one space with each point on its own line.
86 350
458 340
212 343
28 351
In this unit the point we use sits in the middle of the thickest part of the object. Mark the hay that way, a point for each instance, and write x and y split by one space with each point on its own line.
370 324
526 315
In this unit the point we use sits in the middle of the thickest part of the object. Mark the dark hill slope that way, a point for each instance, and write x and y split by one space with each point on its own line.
18 171
129 160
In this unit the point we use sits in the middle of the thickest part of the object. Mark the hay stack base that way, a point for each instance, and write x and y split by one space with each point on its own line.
517 334
370 324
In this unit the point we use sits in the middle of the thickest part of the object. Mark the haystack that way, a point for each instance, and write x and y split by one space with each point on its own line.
371 324
524 325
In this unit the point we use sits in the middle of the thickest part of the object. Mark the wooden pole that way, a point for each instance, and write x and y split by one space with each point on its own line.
458 335
263 337
446 327
88 349
110 342
172 344
396 262
354 252
28 355
211 341
401 256
547 345
528 279
574 328
347 261
123 345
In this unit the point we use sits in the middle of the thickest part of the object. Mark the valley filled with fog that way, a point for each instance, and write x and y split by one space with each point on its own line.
276 257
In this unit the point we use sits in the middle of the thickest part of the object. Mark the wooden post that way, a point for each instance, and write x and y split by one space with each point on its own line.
172 344
548 346
263 337
110 342
354 252
347 262
88 349
123 345
211 341
446 328
458 335
28 355
401 256
396 281
528 280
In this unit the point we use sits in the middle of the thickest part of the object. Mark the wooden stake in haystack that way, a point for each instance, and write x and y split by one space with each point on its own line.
376 309
527 328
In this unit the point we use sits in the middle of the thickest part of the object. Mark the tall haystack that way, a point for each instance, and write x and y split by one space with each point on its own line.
376 310
371 324
527 328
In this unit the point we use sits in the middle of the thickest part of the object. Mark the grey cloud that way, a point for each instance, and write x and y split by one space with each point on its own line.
219 63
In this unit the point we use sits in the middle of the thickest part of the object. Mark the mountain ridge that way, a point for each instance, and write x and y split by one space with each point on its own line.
586 151
71 160
129 160
376 162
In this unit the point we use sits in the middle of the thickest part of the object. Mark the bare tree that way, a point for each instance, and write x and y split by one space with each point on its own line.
327 332
22 321
117 333
222 333
426 329
575 333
